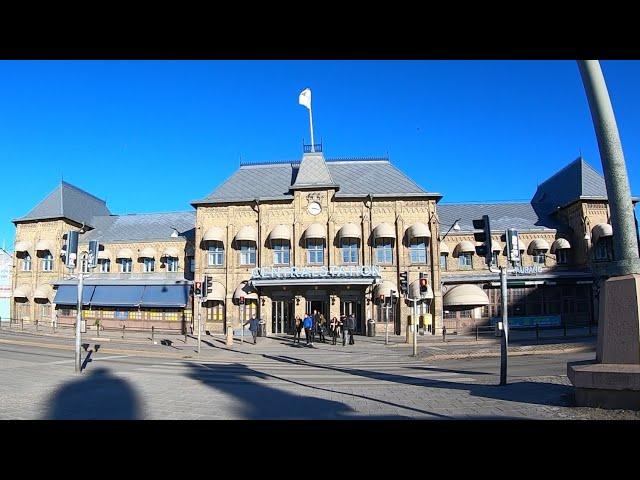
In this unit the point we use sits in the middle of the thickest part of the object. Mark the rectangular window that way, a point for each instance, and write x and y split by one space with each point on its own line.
125 265
465 260
247 252
121 314
538 257
443 261
561 257
47 263
349 248
216 254
149 265
280 252
172 264
418 250
315 250
105 265
384 251
215 311
26 263
603 249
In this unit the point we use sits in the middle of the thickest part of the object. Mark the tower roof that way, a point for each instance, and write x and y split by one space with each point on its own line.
313 173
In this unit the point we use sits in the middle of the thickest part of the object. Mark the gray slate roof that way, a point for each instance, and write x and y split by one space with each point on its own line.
313 172
356 177
521 216
575 181
141 227
68 201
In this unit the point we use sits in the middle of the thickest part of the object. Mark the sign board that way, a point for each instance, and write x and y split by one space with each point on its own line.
528 270
366 271
543 321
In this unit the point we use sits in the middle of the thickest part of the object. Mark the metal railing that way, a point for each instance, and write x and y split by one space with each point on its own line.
515 332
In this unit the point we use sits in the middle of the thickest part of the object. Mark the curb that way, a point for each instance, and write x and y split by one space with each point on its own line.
517 353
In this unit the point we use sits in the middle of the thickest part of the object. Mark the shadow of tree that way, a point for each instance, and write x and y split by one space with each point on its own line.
537 393
258 401
97 395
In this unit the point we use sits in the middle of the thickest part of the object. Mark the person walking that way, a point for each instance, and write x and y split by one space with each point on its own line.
333 328
343 329
307 324
351 326
322 327
314 328
253 327
297 330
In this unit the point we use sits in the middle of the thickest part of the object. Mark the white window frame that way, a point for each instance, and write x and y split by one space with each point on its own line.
248 251
149 265
384 246
173 264
215 254
315 251
26 263
47 263
443 256
126 262
350 248
539 257
467 263
418 247
281 251
105 265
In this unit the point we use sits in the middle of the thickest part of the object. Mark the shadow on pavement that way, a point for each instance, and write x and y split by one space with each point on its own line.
257 401
537 393
96 395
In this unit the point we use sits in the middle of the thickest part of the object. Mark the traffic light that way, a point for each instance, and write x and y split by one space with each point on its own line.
241 300
94 246
72 249
381 298
197 288
404 284
208 285
485 237
424 285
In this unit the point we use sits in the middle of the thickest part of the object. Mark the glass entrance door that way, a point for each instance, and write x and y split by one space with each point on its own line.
352 307
319 305
280 316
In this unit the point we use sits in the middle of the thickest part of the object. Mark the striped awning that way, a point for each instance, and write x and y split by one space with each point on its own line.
280 232
147 252
465 246
385 288
538 244
171 252
23 246
124 253
601 230
465 297
244 290
349 230
22 291
415 294
43 292
418 230
247 233
44 245
560 244
384 230
214 234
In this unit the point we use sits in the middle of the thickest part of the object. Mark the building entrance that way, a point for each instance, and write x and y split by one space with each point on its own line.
319 305
353 307
281 316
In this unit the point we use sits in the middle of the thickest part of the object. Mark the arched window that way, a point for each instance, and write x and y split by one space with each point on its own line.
47 262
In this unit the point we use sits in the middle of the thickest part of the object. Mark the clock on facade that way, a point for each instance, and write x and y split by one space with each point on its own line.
314 208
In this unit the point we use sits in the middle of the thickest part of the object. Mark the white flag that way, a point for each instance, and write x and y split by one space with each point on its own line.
305 98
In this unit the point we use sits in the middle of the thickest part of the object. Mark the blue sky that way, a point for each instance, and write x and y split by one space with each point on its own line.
154 135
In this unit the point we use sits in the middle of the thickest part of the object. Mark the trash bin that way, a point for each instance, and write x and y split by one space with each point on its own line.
262 329
371 328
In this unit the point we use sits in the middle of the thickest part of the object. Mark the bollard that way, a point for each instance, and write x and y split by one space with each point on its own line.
123 331
476 333
152 333
98 329
22 324
37 325
444 334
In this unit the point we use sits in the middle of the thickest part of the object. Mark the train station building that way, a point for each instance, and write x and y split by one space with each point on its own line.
281 239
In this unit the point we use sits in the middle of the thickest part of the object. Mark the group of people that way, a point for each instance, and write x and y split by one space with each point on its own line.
316 324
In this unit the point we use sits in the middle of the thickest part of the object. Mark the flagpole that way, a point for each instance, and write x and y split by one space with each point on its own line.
313 147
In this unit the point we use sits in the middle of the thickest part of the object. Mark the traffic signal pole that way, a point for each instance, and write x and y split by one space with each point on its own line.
415 327
78 360
504 339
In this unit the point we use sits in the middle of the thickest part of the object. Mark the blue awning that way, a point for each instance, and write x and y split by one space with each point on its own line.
68 294
117 295
165 296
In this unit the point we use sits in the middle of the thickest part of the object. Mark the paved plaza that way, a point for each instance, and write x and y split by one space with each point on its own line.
278 380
